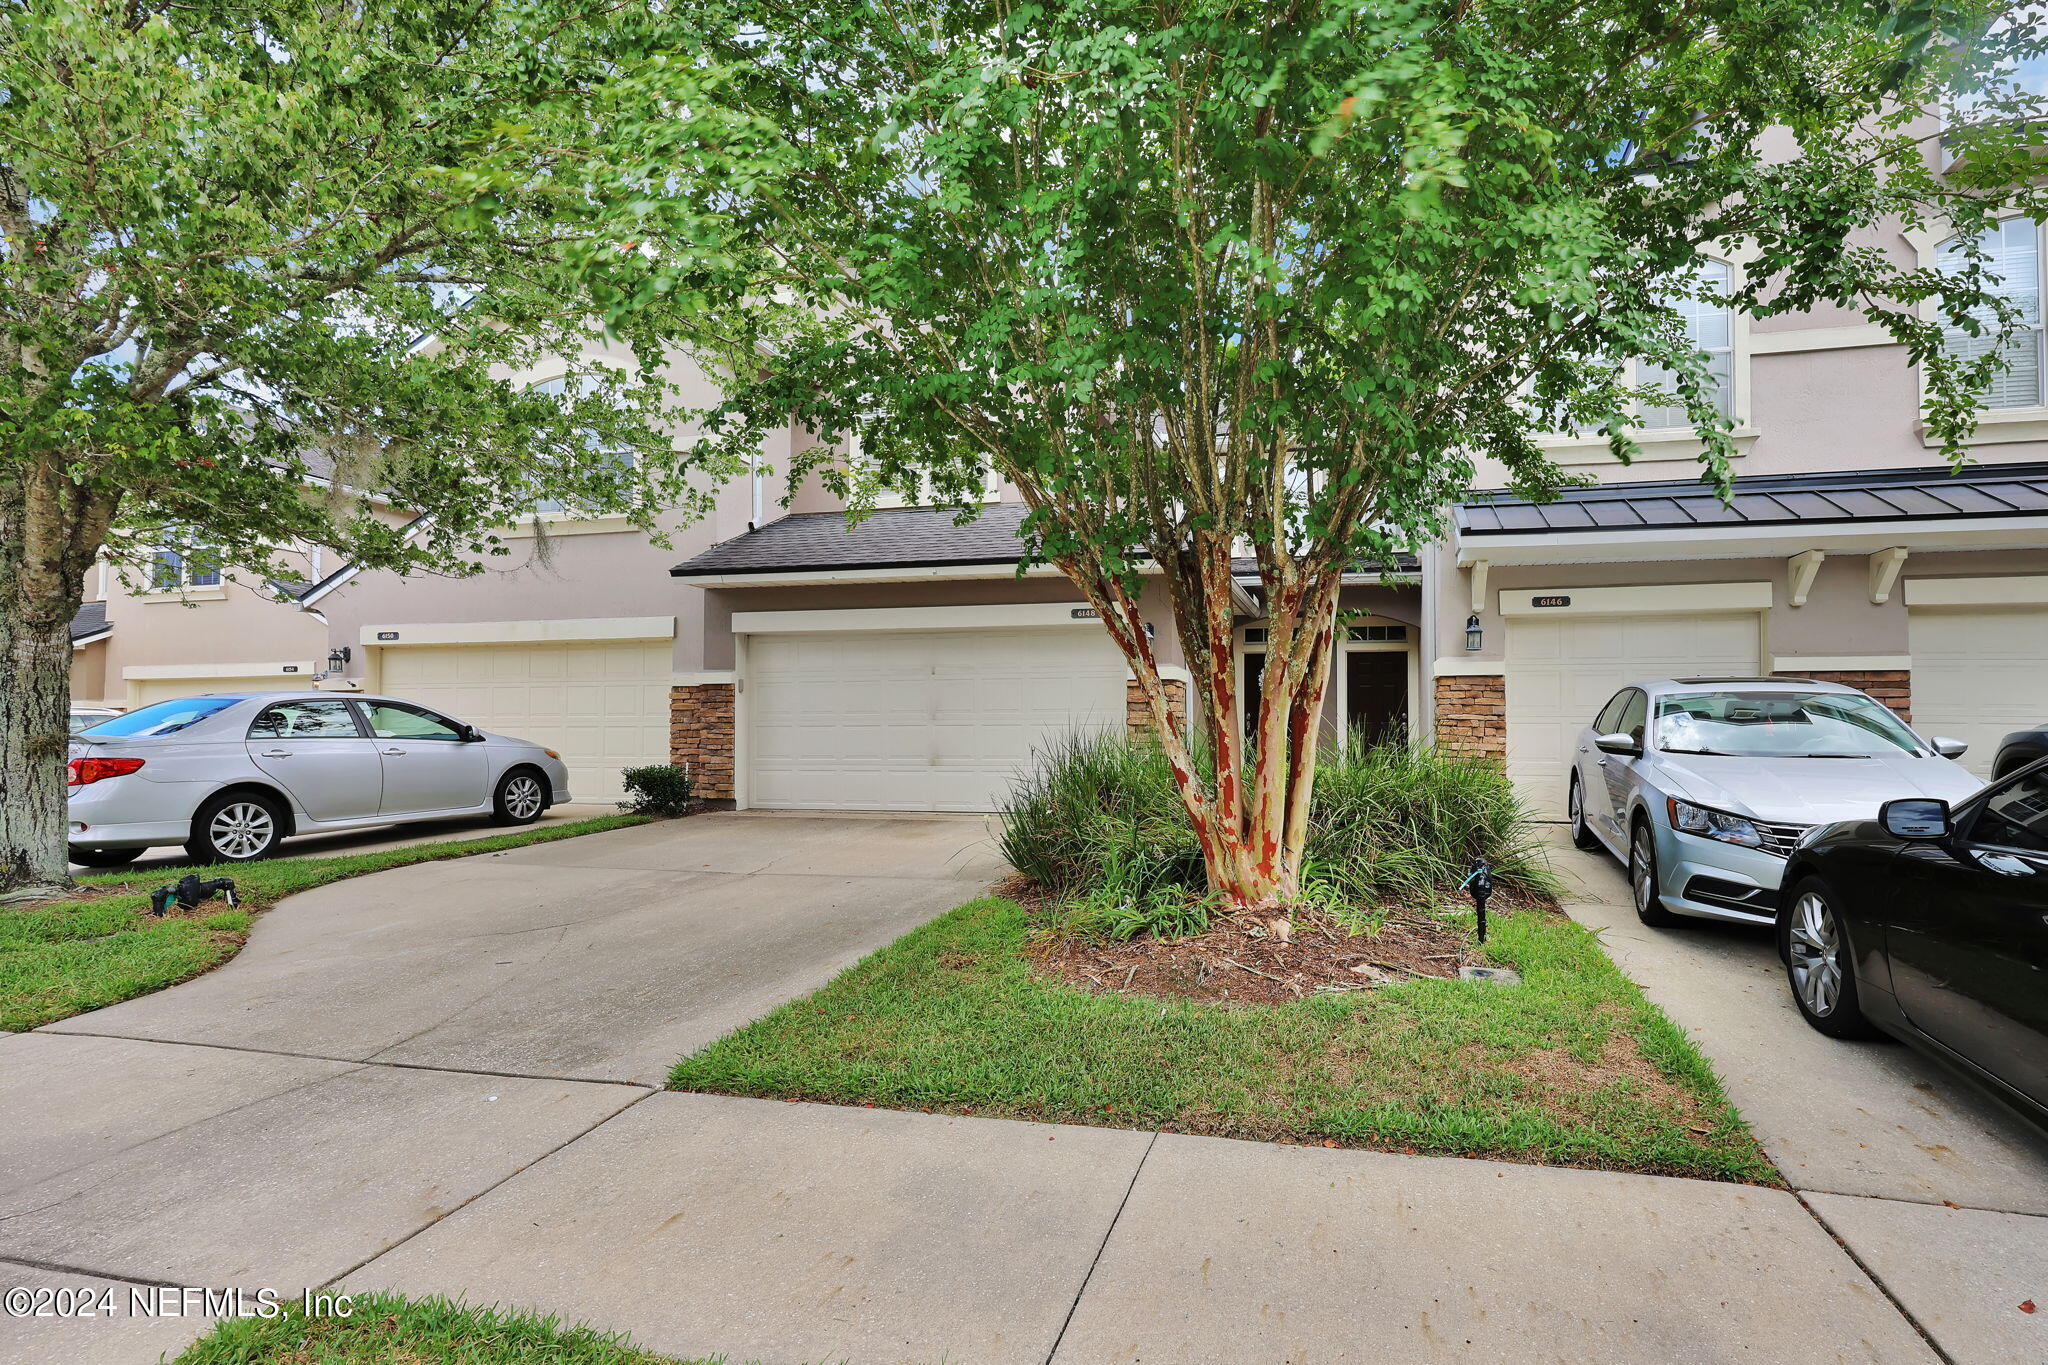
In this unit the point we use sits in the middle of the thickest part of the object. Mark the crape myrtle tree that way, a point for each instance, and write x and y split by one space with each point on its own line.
1203 278
246 281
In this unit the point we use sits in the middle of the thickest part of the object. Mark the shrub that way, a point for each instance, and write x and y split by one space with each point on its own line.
658 789
1097 818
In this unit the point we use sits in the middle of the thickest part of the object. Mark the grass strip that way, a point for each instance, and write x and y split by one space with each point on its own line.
388 1329
64 957
1572 1067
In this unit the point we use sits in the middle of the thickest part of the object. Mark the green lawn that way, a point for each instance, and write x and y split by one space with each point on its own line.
386 1329
61 958
1572 1067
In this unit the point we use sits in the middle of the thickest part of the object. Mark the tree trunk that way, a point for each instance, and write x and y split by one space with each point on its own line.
51 530
35 705
1252 839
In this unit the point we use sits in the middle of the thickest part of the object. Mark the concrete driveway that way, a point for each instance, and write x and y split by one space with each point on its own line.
602 958
1937 1189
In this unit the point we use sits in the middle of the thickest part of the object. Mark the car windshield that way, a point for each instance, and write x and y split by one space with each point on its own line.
1780 725
160 718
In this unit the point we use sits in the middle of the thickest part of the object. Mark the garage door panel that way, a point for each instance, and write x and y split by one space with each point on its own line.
1561 670
603 707
1979 675
917 720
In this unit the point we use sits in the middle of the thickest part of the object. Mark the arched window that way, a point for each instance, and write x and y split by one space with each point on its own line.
2012 256
1710 325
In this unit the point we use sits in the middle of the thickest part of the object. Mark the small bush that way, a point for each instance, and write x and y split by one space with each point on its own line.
658 789
1098 818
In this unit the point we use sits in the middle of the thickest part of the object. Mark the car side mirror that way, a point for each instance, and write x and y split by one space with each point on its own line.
472 735
1916 819
1950 748
1620 742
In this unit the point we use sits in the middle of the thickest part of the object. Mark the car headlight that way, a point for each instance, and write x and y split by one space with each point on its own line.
1708 823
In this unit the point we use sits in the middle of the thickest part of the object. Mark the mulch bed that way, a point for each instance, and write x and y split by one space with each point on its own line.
1240 961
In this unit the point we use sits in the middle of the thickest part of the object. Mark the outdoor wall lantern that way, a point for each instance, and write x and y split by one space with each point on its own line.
338 657
1474 637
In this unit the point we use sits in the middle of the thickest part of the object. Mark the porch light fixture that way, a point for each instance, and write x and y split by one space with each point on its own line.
1474 637
338 657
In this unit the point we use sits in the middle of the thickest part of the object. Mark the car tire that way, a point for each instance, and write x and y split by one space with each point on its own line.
521 796
236 827
105 857
1644 887
1575 815
1819 967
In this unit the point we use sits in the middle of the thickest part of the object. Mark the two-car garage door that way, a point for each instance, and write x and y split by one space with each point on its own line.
1562 669
917 719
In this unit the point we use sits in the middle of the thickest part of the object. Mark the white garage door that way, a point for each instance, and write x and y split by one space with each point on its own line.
603 707
143 691
917 720
1562 669
1979 676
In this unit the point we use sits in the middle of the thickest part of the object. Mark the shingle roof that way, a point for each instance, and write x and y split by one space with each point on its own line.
90 620
1806 499
899 538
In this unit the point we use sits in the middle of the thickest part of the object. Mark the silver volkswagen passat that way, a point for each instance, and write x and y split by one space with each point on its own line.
230 776
1703 786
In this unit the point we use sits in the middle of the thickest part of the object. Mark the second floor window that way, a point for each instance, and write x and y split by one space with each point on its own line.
2012 256
176 568
624 458
1710 326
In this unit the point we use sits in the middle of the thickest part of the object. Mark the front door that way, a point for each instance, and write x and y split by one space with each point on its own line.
1968 935
1376 693
314 751
428 765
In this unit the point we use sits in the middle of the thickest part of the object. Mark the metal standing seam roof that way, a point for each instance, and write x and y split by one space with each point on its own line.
1977 491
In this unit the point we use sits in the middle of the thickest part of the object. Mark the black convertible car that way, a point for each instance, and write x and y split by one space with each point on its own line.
1932 924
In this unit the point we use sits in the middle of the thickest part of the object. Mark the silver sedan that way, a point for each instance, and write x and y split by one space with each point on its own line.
1704 786
229 777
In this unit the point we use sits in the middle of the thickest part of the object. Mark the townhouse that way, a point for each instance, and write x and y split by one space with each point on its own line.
794 661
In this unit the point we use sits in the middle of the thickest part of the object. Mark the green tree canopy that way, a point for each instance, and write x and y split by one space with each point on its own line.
246 278
1199 276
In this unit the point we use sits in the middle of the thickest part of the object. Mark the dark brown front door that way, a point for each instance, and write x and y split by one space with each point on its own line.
1376 692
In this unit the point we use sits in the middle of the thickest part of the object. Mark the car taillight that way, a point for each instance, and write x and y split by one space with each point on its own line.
86 771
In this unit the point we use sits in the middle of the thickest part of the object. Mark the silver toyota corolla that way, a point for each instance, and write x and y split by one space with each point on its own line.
229 776
1704 785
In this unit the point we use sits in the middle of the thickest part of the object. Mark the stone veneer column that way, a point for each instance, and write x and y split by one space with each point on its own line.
1892 686
1138 713
1472 715
700 735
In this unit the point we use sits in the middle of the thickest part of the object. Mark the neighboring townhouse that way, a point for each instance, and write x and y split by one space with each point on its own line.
1849 552
180 625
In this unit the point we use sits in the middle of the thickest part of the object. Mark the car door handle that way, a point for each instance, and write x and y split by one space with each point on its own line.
398 753
275 753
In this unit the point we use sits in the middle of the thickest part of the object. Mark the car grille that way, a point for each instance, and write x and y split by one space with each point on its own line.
1779 839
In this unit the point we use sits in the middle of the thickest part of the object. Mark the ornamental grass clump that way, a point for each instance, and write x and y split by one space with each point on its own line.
1096 822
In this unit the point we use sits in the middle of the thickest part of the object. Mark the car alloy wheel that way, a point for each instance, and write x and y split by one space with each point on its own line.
522 797
241 829
1815 960
1642 870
